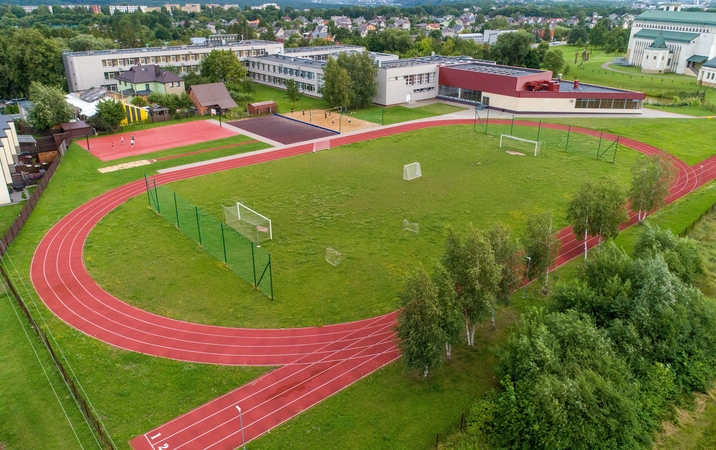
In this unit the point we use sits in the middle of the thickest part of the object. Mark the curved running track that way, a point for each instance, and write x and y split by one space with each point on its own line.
315 362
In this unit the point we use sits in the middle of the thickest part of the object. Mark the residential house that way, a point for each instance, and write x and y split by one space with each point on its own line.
144 80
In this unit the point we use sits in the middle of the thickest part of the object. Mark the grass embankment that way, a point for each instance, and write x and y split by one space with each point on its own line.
352 199
690 140
133 392
664 86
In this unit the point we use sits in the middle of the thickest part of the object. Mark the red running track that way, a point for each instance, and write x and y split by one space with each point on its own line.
315 362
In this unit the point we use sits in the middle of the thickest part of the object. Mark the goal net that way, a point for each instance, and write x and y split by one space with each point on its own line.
254 226
408 226
324 144
412 171
333 257
520 144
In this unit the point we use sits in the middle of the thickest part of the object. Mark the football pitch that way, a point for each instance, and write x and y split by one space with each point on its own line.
352 199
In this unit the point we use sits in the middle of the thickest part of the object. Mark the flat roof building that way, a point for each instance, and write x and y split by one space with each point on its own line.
100 68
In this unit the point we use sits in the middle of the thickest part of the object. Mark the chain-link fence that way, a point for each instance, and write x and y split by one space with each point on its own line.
243 257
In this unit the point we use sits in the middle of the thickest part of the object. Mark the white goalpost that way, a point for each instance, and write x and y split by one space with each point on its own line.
537 144
333 257
412 171
409 226
324 144
254 226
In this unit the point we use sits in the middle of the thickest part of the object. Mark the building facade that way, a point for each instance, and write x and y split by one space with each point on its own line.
100 68
690 38
707 74
9 148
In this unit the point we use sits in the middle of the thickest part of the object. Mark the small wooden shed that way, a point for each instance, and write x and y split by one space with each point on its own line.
268 107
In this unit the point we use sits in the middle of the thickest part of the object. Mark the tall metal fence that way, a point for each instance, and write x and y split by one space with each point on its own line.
243 257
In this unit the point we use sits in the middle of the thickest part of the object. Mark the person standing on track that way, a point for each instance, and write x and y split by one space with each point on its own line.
112 145
131 141
122 139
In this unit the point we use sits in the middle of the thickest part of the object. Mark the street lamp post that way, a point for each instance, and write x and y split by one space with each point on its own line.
701 174
241 422
87 139
529 262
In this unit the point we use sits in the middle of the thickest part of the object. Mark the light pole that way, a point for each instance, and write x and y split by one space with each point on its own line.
700 174
87 139
529 262
241 421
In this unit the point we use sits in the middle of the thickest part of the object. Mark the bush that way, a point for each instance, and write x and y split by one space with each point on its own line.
138 100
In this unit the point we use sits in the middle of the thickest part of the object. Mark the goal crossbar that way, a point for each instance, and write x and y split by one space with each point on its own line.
515 138
238 213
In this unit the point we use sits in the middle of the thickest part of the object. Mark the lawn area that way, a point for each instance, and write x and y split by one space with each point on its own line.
397 114
352 199
690 140
389 409
8 214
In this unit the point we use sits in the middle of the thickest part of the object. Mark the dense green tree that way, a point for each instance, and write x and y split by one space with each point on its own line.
362 72
597 209
337 86
29 57
507 257
476 276
578 34
541 245
110 113
138 100
49 107
292 93
84 42
554 60
222 65
450 312
651 178
420 337
512 49
680 254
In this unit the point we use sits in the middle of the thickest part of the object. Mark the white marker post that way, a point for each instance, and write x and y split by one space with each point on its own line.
241 422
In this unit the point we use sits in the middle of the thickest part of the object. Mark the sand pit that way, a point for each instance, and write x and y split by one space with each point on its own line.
331 120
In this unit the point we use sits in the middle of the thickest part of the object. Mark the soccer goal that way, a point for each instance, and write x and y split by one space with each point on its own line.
254 226
412 171
324 144
520 143
408 226
333 257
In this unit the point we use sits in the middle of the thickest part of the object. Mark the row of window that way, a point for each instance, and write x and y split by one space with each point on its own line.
463 95
421 78
607 103
710 76
307 87
174 58
673 27
298 73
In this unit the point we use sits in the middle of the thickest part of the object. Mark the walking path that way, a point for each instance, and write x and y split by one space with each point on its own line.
315 363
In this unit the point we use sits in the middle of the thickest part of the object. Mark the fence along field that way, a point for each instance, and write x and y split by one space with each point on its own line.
354 199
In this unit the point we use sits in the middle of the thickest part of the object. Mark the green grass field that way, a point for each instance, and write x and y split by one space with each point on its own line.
386 410
352 199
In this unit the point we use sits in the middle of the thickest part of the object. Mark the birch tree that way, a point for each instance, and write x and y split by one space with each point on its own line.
541 245
651 179
475 275
449 308
420 337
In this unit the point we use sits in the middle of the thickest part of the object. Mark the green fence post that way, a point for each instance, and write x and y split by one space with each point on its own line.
487 120
270 275
599 147
569 131
146 182
198 226
474 126
176 210
253 261
539 128
223 242
156 196
615 150
513 125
